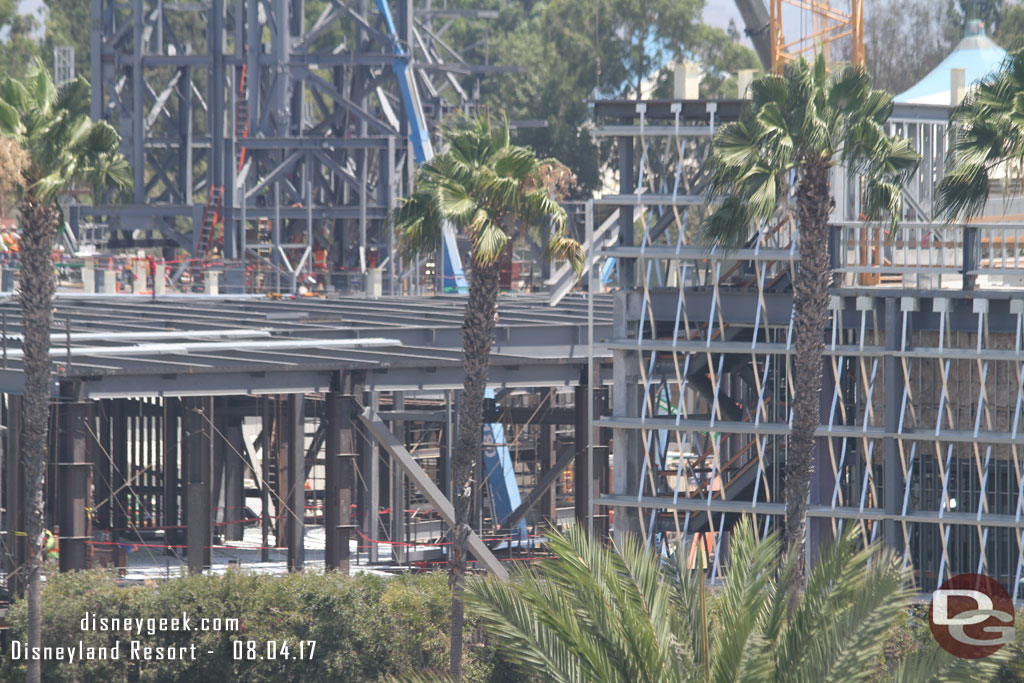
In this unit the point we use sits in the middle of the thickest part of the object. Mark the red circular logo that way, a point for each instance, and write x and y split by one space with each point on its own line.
971 616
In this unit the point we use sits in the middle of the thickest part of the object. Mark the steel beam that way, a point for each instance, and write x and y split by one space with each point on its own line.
119 477
544 490
234 474
583 481
75 482
371 485
428 488
399 530
293 482
16 547
172 412
198 456
340 480
892 470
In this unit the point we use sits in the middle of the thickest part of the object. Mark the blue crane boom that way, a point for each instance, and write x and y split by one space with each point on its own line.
453 275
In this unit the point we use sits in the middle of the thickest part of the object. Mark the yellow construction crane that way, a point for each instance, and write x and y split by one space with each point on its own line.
829 25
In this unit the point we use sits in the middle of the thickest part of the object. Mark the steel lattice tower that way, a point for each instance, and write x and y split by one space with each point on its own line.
267 136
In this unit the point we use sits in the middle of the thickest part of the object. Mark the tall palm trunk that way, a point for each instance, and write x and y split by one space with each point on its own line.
39 229
477 338
810 304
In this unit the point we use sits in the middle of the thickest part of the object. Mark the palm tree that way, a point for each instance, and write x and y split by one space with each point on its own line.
988 137
493 191
64 147
618 615
796 127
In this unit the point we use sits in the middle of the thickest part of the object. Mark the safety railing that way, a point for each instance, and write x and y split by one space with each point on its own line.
929 256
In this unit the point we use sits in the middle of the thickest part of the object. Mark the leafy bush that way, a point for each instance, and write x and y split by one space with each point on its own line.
366 628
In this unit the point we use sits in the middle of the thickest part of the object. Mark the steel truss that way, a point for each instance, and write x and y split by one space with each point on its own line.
921 437
260 134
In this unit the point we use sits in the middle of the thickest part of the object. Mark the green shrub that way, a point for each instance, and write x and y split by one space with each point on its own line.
366 628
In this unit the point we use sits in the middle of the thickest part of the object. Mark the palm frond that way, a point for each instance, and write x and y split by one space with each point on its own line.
932 664
489 240
482 185
418 224
740 652
987 130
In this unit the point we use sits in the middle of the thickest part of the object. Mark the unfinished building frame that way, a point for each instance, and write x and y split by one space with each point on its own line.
922 397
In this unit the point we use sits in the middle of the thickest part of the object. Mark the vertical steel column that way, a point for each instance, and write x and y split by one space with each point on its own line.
101 467
119 476
16 547
626 179
626 448
266 443
370 489
583 484
138 113
893 382
95 58
198 454
398 530
220 448
602 475
332 476
172 409
970 257
75 483
546 457
234 480
447 450
293 483
341 473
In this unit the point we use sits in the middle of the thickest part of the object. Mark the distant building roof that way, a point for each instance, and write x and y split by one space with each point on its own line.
976 53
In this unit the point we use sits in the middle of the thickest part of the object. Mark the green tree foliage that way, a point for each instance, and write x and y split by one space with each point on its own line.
67 23
988 11
613 615
493 192
1011 26
988 139
904 40
573 52
18 48
64 149
366 627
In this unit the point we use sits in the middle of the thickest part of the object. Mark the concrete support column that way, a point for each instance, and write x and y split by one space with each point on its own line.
75 482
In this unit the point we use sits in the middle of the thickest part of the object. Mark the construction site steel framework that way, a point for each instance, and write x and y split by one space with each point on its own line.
921 440
169 414
268 142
